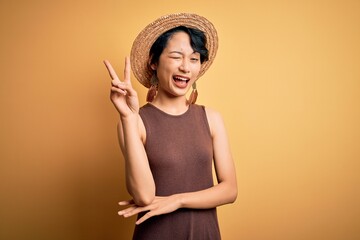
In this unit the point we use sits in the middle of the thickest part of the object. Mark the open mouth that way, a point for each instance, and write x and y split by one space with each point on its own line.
181 81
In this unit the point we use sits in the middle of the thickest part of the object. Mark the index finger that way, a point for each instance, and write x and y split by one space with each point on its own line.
111 70
127 70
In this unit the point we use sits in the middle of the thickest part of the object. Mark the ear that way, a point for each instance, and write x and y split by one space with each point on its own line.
153 66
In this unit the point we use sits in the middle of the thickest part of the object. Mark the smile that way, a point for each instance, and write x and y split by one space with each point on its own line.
181 81
181 78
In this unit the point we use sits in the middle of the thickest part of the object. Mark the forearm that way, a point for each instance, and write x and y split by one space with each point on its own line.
139 179
220 194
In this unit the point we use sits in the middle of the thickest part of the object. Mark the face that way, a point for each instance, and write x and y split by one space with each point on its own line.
178 66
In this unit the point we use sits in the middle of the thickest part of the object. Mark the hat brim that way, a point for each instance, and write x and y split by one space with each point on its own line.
141 47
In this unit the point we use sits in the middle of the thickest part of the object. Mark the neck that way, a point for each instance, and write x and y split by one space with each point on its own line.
171 105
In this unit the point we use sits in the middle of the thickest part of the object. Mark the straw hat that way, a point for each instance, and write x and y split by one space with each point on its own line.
141 47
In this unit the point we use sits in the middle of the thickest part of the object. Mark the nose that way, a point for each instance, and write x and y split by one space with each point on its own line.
185 67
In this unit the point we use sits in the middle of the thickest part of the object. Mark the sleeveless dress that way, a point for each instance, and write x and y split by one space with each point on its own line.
180 152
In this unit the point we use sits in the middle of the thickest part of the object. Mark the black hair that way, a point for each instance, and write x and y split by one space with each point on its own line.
197 42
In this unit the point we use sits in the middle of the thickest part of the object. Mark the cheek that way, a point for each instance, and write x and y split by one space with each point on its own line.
166 69
166 64
196 69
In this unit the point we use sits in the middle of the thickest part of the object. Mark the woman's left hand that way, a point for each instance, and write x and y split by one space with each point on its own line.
160 205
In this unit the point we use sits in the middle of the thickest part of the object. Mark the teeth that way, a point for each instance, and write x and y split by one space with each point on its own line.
180 79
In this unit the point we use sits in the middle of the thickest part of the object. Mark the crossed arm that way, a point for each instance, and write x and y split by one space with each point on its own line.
223 193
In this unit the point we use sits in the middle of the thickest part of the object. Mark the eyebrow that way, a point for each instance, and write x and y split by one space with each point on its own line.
181 52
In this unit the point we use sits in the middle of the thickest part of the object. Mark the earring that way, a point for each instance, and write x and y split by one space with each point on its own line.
193 95
153 89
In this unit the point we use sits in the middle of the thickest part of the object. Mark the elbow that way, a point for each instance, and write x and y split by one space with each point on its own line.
142 196
143 201
145 198
229 193
233 196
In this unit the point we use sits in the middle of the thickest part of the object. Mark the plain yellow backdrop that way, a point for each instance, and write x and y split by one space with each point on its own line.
286 80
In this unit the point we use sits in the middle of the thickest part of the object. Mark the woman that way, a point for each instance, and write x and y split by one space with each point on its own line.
169 143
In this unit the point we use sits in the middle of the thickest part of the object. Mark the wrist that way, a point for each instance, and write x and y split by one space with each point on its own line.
180 199
129 117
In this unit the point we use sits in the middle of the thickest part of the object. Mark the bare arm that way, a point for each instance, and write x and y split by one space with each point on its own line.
139 179
131 133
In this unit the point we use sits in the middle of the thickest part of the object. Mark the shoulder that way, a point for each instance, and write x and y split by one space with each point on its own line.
141 125
142 129
144 108
212 113
215 120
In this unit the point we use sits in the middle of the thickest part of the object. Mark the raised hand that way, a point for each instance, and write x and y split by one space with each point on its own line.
122 94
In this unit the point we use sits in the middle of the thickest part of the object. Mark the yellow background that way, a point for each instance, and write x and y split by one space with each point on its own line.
286 80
